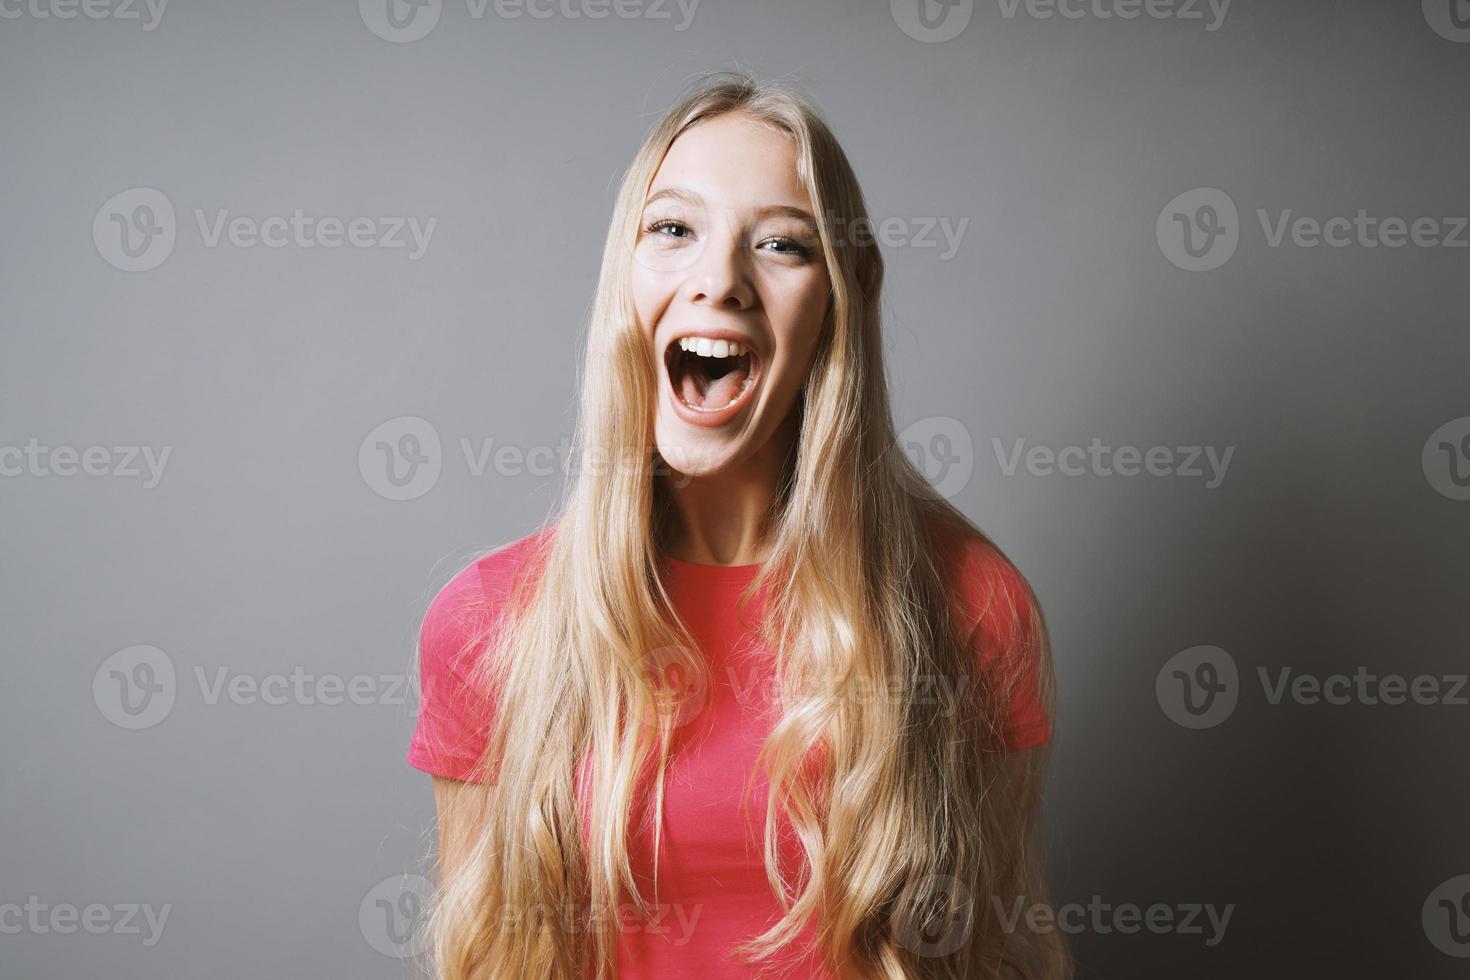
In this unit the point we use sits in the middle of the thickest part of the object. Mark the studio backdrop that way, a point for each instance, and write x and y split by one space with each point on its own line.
292 298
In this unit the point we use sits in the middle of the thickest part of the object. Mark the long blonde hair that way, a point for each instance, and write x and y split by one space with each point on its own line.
903 819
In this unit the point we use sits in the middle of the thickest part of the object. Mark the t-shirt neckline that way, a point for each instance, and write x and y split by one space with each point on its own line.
693 569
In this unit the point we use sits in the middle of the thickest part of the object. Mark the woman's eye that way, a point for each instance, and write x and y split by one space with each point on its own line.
787 246
667 226
673 228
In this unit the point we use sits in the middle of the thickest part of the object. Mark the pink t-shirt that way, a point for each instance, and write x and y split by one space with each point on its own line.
712 892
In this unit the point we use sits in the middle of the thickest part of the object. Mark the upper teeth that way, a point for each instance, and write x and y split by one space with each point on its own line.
705 347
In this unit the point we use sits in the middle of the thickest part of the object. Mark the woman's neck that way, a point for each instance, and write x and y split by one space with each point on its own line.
723 518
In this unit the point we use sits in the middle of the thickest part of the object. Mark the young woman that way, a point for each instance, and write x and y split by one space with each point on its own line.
756 701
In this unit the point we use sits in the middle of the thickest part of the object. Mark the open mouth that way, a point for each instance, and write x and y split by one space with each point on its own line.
711 375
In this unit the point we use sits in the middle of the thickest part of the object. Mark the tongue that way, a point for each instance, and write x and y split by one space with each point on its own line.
716 394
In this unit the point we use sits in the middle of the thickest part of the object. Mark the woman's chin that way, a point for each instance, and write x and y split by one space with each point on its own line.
697 454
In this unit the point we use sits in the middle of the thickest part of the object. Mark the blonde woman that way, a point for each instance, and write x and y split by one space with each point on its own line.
755 701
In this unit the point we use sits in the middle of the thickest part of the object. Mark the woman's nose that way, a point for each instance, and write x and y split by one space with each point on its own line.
720 274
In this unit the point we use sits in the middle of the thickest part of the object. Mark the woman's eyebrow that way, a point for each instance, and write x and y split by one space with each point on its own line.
676 193
694 200
789 211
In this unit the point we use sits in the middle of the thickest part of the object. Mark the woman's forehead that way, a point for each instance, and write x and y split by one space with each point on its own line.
730 161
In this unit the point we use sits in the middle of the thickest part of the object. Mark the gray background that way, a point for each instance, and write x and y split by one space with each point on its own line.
267 548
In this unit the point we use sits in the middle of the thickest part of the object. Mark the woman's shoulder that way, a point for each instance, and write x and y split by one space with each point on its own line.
496 571
455 705
1003 625
992 590
476 595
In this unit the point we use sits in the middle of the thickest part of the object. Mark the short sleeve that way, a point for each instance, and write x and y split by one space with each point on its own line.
456 709
1007 635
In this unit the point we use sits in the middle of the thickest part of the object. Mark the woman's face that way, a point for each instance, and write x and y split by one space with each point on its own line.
727 253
